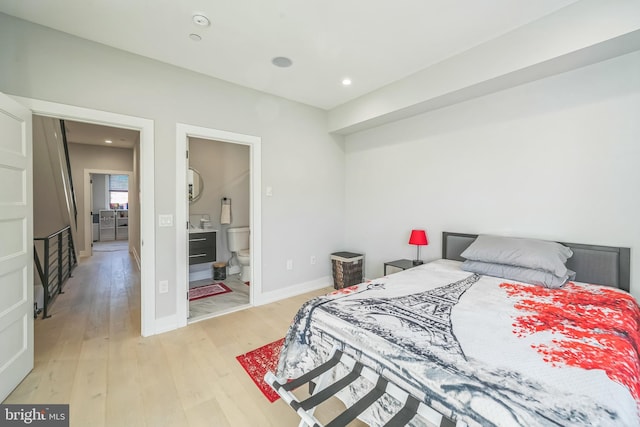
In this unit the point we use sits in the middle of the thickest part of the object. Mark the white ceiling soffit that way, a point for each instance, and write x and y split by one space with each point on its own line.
581 34
374 42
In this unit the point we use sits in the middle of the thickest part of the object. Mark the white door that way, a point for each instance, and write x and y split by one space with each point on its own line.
16 245
187 203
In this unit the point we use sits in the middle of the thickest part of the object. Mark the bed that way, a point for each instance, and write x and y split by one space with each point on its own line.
483 350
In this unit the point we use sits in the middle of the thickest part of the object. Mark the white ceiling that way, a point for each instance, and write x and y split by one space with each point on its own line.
373 42
87 133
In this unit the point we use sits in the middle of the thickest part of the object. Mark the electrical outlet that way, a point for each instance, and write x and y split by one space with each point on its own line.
289 264
163 286
312 260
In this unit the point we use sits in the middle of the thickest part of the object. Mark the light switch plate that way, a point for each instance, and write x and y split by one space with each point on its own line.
165 220
163 286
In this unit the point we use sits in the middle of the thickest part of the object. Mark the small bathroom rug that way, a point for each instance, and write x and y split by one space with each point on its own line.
207 291
258 362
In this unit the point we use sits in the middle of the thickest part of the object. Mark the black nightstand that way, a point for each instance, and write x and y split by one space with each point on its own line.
402 264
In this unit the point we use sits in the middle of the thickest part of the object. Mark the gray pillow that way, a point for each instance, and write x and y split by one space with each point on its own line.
527 253
520 274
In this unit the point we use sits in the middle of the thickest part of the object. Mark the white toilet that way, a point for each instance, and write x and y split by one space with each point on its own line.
239 248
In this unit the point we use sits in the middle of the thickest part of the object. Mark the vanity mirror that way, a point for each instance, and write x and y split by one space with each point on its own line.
196 184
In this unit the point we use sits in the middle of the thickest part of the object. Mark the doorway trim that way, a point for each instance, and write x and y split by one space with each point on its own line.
147 190
183 132
88 190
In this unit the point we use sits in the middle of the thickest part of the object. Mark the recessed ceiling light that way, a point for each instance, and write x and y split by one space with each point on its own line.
195 37
108 141
281 61
201 20
346 82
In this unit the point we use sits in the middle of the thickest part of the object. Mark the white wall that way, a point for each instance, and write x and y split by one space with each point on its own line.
49 204
303 164
99 188
134 204
83 156
553 159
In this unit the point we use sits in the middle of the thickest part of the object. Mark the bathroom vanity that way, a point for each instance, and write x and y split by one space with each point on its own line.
202 245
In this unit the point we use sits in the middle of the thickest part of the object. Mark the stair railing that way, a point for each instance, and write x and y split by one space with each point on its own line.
65 145
59 260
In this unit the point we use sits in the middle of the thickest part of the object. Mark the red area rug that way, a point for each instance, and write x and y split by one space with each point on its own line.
207 291
258 362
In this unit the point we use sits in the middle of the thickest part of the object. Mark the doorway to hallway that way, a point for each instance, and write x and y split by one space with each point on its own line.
145 161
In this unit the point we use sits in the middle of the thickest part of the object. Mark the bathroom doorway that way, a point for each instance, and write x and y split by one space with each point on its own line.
184 132
219 195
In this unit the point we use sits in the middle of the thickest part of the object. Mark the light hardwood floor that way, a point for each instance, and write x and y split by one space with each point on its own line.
90 355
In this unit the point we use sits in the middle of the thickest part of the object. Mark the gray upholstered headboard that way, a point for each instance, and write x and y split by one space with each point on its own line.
602 265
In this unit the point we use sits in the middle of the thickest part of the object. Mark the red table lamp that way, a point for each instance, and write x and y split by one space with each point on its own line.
418 238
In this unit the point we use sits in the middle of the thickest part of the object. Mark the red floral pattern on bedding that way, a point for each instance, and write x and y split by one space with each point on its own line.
596 328
345 291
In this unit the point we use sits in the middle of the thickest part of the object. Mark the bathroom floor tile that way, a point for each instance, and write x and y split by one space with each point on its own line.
222 302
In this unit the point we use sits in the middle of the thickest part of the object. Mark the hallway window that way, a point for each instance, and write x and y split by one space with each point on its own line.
118 191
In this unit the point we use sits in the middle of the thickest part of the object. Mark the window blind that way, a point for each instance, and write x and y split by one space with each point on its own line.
118 183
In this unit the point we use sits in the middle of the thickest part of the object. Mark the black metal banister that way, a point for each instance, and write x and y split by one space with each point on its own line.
58 264
63 131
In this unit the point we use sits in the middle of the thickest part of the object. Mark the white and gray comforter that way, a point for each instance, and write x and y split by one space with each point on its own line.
481 350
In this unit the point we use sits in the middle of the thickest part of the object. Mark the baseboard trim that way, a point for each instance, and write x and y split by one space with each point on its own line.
136 256
170 323
166 324
200 275
292 291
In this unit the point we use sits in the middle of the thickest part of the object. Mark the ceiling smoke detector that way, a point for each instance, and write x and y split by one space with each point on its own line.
195 37
201 20
282 61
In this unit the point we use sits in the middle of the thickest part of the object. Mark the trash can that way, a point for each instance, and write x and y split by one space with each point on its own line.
219 271
347 269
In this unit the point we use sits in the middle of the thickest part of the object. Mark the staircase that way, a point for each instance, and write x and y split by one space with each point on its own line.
54 211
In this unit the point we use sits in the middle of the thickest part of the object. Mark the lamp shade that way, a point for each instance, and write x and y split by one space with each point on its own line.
418 237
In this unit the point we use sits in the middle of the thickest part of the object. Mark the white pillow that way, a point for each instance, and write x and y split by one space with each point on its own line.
527 253
519 274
